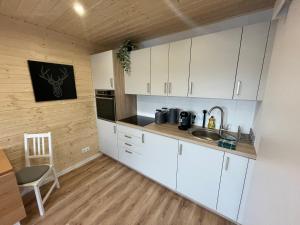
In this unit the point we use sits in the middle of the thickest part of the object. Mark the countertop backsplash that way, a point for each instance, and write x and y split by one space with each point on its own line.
237 112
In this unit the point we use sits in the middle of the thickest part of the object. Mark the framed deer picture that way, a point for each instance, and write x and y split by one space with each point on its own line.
52 81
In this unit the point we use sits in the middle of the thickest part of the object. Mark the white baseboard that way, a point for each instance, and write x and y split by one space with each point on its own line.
79 164
67 170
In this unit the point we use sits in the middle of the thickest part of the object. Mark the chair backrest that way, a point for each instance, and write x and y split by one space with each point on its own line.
38 146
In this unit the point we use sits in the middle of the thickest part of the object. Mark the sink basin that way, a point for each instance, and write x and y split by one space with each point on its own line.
206 135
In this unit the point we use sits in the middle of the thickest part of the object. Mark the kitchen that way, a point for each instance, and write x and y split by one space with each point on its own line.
168 129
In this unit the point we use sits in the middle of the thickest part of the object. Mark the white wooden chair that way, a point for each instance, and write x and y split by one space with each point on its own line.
33 176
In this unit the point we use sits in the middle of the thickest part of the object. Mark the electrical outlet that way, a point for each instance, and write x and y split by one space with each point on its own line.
85 149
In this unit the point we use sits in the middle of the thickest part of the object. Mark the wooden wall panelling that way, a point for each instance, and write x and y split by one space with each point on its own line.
72 122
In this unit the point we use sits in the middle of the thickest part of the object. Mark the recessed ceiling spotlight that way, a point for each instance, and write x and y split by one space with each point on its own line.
79 8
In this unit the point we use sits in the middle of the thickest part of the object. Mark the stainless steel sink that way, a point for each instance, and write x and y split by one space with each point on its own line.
209 135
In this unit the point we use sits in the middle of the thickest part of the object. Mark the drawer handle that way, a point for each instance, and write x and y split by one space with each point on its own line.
115 129
238 89
143 138
180 150
148 88
127 136
227 163
128 144
191 89
170 88
129 152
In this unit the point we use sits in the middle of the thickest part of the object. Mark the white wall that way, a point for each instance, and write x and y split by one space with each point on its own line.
274 197
234 22
236 112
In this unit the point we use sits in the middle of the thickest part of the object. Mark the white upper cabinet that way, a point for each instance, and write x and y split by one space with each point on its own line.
232 185
267 60
199 173
107 132
179 65
252 52
160 154
214 60
137 81
159 69
103 70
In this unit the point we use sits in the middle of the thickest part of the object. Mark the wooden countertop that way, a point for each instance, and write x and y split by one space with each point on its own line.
170 130
5 165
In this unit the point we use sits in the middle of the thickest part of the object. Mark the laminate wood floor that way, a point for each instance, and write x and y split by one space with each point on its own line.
104 192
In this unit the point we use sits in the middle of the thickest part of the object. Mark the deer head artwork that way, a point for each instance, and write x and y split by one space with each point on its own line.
55 83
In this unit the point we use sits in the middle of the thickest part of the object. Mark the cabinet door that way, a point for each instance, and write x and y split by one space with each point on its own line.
159 69
242 218
199 172
214 60
232 184
160 159
103 70
179 66
137 81
107 132
252 52
267 60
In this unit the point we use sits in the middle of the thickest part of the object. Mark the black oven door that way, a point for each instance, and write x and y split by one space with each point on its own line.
106 108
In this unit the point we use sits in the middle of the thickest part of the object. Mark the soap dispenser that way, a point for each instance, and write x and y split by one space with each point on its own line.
211 123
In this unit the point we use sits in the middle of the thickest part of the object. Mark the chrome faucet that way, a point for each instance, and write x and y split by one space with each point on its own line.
222 117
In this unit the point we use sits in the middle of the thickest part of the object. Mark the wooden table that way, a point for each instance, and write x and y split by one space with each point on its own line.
11 204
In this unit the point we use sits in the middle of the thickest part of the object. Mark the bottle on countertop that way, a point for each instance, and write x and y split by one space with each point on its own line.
211 123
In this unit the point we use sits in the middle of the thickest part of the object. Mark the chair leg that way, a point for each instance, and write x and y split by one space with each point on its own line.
55 178
39 200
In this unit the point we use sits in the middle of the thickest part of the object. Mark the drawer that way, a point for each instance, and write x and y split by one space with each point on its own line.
123 144
133 140
131 158
129 132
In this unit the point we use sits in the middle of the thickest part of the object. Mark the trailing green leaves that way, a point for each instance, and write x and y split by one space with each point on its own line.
124 54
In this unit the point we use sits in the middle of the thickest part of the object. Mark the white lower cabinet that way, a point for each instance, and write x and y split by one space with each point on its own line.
232 185
210 177
107 132
199 172
160 154
130 147
129 157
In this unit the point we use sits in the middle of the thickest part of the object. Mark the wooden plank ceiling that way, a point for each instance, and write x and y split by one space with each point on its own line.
108 22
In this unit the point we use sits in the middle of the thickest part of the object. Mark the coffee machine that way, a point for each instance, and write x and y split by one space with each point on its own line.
186 119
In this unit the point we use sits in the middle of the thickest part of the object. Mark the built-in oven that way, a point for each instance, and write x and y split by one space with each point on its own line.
106 104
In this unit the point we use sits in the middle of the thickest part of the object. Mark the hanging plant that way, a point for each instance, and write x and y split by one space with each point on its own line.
124 54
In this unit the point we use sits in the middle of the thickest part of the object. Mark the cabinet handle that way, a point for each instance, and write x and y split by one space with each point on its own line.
143 138
239 83
115 129
128 144
180 150
191 89
127 136
148 88
165 88
129 152
111 82
227 163
170 87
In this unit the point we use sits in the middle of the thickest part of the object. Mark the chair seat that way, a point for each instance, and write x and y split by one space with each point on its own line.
31 174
